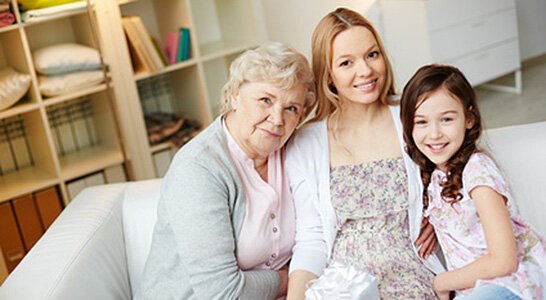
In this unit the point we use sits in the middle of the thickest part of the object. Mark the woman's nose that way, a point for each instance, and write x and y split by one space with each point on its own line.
363 69
276 116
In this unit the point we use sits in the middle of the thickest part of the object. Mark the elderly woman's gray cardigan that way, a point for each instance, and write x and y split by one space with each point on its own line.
200 213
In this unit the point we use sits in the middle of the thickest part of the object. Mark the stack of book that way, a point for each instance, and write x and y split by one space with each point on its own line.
178 46
146 53
14 148
72 125
24 220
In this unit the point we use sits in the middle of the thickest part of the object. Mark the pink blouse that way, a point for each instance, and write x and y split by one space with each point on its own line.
268 231
462 237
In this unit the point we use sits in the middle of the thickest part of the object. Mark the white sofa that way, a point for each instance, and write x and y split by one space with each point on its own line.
97 248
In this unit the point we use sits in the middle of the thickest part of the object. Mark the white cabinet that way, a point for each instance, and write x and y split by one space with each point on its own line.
478 36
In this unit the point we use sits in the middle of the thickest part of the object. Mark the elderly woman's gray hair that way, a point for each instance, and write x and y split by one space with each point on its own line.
273 63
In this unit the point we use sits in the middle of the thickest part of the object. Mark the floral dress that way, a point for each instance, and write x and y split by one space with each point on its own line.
371 205
461 234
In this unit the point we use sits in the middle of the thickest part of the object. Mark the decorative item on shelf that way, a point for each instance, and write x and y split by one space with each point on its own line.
13 86
171 128
72 126
15 153
66 68
6 16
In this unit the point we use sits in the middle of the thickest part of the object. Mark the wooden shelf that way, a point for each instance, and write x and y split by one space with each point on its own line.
76 94
89 160
18 109
23 182
219 49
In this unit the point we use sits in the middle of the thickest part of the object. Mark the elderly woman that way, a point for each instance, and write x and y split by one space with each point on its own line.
226 221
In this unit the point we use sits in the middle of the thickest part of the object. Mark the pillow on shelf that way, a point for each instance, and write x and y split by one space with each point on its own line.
13 86
64 58
61 84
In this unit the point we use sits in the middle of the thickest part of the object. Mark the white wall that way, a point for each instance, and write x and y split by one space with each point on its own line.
292 22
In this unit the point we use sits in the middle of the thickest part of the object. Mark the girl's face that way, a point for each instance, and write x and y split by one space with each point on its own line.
358 66
439 127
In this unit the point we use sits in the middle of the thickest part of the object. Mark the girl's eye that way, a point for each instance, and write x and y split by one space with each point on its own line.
447 119
420 122
373 54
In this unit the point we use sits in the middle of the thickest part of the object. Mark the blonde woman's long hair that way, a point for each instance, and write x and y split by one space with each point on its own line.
326 31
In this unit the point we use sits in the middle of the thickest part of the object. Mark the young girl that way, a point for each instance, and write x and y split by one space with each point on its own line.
491 252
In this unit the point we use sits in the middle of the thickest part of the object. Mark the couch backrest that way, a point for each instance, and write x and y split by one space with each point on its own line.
139 216
521 153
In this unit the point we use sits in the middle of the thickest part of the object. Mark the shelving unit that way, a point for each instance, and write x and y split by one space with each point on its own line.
49 167
219 31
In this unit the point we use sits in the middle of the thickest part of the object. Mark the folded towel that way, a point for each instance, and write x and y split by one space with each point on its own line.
6 18
35 15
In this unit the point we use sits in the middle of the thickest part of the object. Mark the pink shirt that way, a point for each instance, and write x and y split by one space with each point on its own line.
269 227
462 237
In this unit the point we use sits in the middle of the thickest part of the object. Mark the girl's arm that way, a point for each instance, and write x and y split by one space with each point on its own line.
501 245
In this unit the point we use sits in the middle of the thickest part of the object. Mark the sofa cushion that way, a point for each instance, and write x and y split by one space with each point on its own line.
139 216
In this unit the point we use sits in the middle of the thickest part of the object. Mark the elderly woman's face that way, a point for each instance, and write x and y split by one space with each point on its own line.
264 116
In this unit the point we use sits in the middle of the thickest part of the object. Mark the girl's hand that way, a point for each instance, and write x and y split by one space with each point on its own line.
442 295
427 239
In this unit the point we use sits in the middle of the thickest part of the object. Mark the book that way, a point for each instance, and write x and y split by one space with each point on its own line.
75 187
184 44
10 238
17 138
160 52
115 174
7 160
3 268
162 160
80 126
133 38
146 39
171 46
28 220
49 206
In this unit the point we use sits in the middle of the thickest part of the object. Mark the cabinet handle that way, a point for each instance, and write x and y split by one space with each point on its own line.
15 256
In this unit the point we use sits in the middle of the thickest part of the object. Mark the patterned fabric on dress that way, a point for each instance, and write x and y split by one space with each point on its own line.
461 234
371 205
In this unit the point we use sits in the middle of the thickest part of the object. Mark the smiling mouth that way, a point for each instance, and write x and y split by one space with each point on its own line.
366 86
437 148
270 133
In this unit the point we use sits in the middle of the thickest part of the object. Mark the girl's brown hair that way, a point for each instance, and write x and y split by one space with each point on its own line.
426 81
326 31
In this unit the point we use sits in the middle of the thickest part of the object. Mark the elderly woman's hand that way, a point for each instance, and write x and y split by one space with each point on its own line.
427 240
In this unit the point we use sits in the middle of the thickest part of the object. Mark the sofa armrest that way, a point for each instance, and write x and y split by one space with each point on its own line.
81 256
519 150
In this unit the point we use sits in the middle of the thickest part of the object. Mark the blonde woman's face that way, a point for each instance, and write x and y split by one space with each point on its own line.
358 66
264 116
